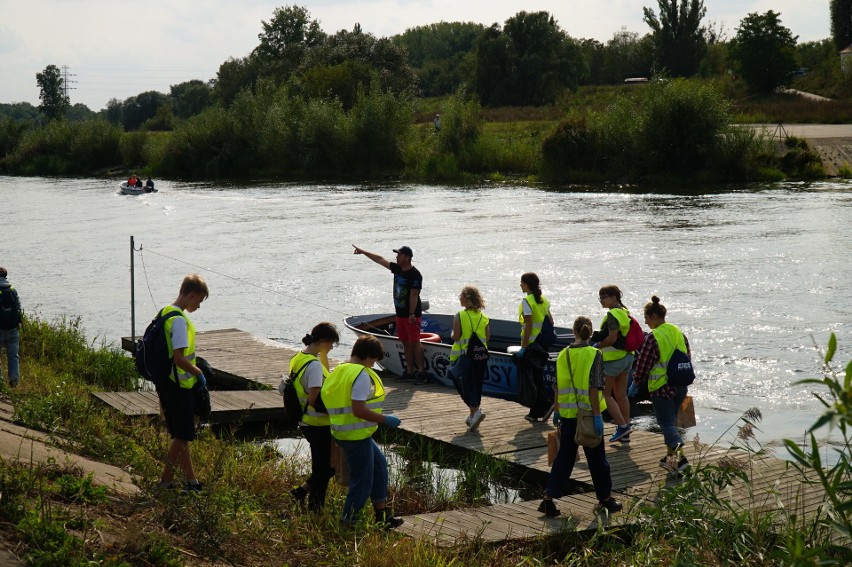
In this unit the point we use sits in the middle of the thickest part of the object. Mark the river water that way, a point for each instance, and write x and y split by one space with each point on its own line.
753 275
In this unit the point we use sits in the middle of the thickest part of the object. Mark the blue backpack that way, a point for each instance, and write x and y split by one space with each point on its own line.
152 350
679 369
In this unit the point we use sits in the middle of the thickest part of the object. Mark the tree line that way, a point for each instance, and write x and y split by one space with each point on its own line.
529 60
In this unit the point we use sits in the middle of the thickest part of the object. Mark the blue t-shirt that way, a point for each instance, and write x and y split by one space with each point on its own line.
403 283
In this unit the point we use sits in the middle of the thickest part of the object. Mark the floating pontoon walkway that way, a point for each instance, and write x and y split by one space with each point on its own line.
436 413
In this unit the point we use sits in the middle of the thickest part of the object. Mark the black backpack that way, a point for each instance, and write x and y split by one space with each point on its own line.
152 350
547 336
476 351
293 409
10 318
679 369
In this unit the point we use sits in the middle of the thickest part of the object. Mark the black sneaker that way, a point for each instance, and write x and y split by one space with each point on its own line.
192 486
548 508
298 493
682 465
421 378
386 519
406 376
531 418
612 505
666 463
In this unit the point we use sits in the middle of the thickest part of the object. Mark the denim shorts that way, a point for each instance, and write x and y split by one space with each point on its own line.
616 367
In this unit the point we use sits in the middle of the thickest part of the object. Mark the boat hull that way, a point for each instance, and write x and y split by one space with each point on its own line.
502 376
127 190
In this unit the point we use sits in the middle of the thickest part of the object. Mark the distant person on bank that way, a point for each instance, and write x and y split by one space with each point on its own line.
176 393
407 283
353 395
10 324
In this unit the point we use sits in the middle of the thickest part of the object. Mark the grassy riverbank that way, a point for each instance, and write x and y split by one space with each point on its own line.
665 132
55 515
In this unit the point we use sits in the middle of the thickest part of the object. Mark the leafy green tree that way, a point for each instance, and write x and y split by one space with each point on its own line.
679 38
494 66
442 54
285 40
54 101
235 75
349 60
190 97
841 23
137 109
765 51
529 62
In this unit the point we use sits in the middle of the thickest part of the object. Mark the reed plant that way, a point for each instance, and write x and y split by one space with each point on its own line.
60 147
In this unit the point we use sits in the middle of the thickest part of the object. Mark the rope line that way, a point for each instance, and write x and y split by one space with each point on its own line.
245 282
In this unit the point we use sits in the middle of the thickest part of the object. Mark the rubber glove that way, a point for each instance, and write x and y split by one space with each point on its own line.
633 390
520 353
393 421
557 419
598 425
202 380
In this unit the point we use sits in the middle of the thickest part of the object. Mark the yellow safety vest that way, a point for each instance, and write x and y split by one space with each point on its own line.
539 312
577 396
468 318
337 396
299 363
180 376
623 318
668 339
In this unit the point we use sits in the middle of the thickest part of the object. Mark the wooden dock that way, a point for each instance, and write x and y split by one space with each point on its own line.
239 406
436 413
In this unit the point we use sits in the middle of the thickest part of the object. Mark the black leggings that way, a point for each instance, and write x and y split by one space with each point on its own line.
319 438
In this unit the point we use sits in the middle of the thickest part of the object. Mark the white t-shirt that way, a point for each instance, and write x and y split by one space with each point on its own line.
180 336
312 376
526 306
363 388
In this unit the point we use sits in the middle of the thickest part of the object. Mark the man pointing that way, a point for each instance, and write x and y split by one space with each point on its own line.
407 283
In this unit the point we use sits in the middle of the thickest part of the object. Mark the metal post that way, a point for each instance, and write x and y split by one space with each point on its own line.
132 295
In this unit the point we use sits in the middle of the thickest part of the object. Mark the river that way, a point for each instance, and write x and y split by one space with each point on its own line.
752 274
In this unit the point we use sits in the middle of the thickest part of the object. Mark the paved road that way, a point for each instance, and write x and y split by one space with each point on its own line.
811 131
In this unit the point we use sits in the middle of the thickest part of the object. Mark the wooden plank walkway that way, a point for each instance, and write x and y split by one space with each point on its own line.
241 406
241 360
437 413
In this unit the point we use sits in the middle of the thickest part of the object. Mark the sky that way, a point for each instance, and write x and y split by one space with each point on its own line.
120 48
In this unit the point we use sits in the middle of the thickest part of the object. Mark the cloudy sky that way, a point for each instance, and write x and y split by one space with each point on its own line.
119 48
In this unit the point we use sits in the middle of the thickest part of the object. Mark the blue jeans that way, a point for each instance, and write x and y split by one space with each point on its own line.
666 411
11 339
368 476
563 464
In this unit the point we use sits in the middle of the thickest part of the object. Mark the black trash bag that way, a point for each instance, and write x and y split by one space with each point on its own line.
201 393
530 375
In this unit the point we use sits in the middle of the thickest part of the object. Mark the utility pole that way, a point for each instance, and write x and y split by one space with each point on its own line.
66 80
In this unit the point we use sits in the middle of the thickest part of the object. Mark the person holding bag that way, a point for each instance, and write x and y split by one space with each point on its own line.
353 395
531 358
311 367
469 357
651 366
579 386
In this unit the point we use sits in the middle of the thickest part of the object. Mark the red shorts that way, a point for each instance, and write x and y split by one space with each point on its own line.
406 331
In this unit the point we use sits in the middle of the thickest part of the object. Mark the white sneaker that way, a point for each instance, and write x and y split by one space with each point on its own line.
475 420
467 420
